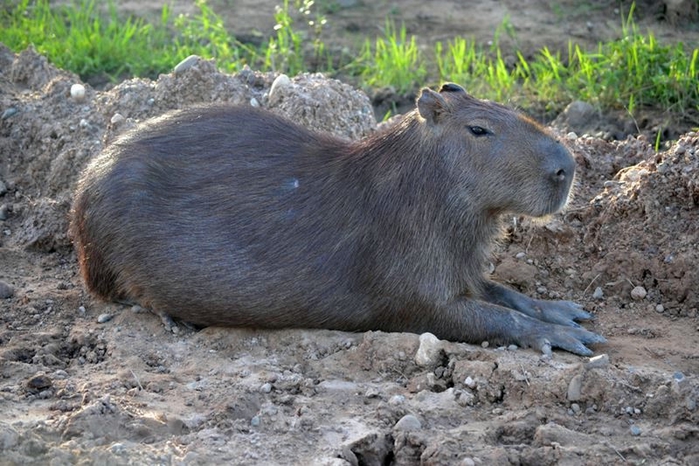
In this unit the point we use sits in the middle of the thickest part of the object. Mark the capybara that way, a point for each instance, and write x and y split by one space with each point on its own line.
232 215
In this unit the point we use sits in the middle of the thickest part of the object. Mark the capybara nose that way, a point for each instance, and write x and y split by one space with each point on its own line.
561 166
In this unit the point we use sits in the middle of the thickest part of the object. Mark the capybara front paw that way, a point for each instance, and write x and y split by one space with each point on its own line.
562 312
573 339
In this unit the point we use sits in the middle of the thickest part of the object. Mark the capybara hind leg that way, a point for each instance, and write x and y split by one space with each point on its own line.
168 322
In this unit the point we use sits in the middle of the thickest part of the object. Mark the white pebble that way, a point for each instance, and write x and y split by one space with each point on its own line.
77 91
117 118
254 102
599 293
266 387
429 351
469 382
280 82
104 318
485 344
520 255
186 64
638 293
659 308
82 310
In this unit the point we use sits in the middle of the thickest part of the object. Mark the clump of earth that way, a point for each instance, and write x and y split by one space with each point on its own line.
83 381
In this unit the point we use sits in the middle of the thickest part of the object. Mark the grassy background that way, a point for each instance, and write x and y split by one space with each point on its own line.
630 73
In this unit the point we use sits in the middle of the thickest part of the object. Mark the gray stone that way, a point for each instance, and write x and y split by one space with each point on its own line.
6 290
186 64
575 388
408 423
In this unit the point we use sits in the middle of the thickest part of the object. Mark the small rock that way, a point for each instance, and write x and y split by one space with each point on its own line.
39 382
579 114
176 426
103 318
429 353
659 308
186 64
512 348
117 118
255 421
77 91
9 112
6 290
598 362
266 387
638 293
520 255
408 423
635 430
575 388
575 408
4 212
467 462
9 437
254 102
82 310
485 344
599 293
464 398
469 382
396 400
3 188
280 82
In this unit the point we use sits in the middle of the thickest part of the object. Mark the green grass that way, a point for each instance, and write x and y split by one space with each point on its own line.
392 60
631 73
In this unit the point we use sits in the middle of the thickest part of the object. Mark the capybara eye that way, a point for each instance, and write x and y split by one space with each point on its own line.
478 131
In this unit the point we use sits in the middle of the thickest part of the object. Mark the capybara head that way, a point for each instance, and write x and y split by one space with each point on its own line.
505 162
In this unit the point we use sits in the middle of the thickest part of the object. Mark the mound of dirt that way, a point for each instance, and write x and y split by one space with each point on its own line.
86 382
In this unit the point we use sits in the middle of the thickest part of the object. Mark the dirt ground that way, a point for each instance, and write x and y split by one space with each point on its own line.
87 382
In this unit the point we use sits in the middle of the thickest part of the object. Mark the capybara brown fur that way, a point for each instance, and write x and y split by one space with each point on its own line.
232 215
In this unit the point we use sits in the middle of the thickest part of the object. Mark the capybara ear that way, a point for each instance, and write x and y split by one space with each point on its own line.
431 106
452 87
